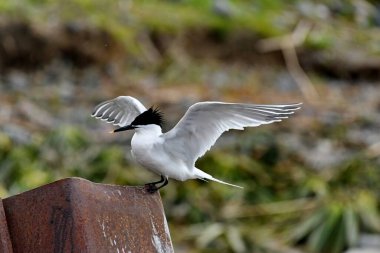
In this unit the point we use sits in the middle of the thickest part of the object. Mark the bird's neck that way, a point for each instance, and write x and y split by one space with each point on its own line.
146 136
149 130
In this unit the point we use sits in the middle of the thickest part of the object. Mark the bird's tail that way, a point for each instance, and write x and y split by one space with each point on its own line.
203 175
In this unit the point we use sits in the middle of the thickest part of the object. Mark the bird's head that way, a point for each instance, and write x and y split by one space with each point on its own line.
152 116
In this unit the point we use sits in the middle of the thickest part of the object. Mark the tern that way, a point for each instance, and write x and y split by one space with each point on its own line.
173 154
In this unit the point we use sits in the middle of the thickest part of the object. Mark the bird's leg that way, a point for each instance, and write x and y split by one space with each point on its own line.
152 187
159 181
166 181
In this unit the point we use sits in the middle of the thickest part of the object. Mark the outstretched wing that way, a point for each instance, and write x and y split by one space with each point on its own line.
204 122
119 111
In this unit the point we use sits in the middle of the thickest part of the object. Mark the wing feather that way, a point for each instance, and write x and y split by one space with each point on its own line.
119 111
204 122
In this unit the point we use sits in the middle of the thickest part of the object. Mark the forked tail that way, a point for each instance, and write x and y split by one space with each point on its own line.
203 175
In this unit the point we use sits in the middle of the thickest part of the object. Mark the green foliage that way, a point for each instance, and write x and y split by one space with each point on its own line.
131 21
64 152
342 204
347 203
336 222
282 200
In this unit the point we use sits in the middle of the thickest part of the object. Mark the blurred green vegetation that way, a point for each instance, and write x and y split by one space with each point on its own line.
126 20
295 198
283 201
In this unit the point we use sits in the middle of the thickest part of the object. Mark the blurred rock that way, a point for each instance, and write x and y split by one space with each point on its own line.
36 114
310 9
17 80
363 12
359 250
324 154
223 8
285 82
17 133
370 241
361 135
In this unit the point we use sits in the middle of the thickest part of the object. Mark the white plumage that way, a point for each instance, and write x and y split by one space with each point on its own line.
173 154
120 111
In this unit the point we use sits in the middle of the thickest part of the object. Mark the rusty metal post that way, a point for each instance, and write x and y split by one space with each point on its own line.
5 240
76 215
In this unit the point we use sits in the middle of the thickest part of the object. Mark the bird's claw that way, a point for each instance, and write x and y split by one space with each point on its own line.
151 188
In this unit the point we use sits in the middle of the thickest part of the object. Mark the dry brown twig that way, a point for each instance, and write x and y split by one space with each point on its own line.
288 44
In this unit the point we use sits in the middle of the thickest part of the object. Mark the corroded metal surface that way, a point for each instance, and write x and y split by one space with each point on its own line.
5 241
75 215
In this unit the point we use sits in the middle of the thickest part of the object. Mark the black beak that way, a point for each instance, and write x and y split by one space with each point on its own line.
129 127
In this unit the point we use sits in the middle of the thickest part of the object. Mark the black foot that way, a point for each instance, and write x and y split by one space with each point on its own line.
152 187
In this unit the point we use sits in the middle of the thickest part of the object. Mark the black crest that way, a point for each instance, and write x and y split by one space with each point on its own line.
150 116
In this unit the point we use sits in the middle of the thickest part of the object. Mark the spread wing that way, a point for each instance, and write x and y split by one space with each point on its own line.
119 111
204 122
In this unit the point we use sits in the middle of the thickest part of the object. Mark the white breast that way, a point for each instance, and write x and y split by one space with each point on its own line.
143 142
148 150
